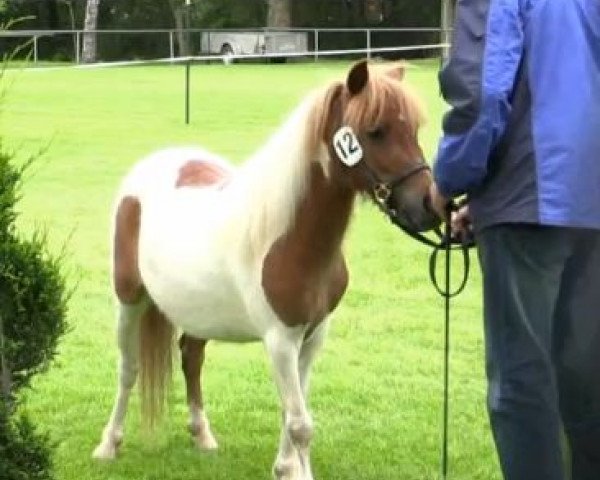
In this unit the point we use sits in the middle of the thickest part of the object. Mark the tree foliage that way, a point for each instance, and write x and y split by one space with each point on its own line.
115 14
231 14
32 306
32 288
33 303
24 453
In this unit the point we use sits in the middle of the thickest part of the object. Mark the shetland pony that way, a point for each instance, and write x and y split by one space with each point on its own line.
254 253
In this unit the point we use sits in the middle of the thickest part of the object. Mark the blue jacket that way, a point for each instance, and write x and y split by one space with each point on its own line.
522 138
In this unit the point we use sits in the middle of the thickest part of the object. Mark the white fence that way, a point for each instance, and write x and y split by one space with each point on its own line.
164 42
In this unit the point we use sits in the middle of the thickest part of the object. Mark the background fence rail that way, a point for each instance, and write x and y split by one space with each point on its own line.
65 45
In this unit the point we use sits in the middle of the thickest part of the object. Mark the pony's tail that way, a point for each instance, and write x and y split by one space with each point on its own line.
156 340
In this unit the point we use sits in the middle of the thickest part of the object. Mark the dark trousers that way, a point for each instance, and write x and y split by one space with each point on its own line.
542 336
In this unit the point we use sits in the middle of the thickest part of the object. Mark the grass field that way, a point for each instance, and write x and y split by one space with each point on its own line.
377 387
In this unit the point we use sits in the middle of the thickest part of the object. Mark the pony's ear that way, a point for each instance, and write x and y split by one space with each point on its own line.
396 72
358 77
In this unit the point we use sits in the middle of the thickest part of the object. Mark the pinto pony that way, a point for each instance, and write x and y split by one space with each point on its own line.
255 253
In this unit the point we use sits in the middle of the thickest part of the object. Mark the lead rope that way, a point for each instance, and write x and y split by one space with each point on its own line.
447 297
446 243
447 294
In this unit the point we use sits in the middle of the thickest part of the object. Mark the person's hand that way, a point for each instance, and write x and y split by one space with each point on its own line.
439 203
461 223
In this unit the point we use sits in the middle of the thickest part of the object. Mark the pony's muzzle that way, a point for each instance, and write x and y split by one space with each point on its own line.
413 209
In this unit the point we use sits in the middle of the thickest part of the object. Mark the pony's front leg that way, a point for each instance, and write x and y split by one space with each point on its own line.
308 351
310 348
283 345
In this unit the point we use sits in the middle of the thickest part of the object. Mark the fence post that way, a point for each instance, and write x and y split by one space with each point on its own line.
316 46
171 45
35 49
77 47
368 43
187 92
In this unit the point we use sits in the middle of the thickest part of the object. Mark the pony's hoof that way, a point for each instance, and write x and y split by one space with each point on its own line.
105 452
203 437
206 442
287 470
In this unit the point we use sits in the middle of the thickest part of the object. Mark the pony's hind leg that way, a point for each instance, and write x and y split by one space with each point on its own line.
192 360
133 304
283 345
128 340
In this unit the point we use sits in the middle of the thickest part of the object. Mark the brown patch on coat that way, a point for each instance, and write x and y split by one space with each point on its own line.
304 273
200 173
126 274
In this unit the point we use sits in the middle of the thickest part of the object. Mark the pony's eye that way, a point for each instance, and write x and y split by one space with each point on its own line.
376 133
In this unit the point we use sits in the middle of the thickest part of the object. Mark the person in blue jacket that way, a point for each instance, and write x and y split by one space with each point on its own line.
522 141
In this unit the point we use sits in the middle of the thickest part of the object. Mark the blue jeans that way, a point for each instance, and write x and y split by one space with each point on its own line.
542 337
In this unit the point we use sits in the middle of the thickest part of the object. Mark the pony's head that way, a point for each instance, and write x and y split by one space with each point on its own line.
369 125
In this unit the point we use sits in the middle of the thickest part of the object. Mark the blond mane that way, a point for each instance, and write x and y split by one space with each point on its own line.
275 179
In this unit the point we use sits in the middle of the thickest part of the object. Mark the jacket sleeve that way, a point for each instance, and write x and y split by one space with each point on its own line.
477 82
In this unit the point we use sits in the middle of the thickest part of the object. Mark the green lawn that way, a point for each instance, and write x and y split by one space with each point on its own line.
377 387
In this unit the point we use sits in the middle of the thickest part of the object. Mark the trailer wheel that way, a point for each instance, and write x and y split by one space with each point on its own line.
227 53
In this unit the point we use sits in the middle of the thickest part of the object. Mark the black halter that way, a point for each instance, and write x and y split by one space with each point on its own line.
381 192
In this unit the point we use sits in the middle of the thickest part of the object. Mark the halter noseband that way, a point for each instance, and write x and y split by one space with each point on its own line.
381 191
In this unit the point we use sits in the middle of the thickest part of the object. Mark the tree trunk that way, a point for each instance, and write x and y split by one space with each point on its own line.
88 54
179 14
279 15
447 23
374 11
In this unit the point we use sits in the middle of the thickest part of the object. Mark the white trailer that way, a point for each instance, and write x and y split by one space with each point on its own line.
259 42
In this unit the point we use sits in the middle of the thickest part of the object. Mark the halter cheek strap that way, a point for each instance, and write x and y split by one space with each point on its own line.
350 152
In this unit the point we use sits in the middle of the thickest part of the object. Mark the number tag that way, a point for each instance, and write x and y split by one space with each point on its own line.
347 146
